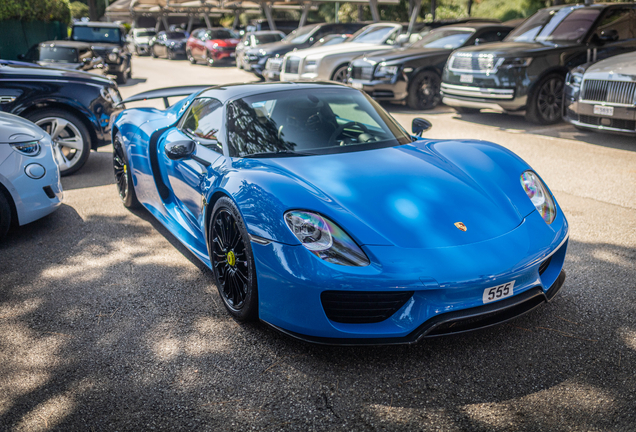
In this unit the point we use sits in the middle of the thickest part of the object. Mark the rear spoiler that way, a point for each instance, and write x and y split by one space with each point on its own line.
165 93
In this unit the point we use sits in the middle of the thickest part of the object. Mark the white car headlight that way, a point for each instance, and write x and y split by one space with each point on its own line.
384 71
325 239
517 62
539 195
31 148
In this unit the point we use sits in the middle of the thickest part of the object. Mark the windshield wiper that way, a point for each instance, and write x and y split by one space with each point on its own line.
278 153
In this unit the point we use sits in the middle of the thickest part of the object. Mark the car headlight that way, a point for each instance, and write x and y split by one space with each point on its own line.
539 195
31 148
574 79
384 71
517 62
310 66
114 56
325 239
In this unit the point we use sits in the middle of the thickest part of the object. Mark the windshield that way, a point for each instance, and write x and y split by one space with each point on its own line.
375 35
303 122
299 35
141 33
176 35
221 34
565 24
267 38
447 38
58 54
96 34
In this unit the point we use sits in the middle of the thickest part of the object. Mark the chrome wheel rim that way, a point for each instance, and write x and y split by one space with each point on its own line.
550 99
121 170
229 259
341 75
68 144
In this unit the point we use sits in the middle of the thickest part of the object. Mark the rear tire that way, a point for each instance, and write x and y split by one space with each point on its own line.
424 91
5 215
123 176
546 100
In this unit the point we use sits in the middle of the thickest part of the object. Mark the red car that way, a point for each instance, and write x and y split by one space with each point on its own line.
211 45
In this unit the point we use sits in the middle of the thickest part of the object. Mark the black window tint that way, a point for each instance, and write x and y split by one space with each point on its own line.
203 122
493 35
622 21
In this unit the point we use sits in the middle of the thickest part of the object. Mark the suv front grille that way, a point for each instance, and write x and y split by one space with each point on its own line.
291 65
362 307
619 92
274 64
362 72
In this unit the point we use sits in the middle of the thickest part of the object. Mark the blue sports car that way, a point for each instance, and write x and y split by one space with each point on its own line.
322 217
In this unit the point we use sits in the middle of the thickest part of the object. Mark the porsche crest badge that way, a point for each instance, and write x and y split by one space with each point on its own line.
460 226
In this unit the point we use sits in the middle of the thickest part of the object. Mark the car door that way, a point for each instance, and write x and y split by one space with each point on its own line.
187 178
615 32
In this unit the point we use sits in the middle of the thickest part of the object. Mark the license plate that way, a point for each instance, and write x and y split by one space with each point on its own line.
604 110
466 78
357 85
498 292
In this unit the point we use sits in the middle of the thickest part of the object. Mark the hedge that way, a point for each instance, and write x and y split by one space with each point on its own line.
35 10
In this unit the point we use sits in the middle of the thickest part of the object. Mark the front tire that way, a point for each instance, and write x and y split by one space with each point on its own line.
340 75
208 59
544 104
171 55
123 176
232 261
5 215
70 137
424 91
190 57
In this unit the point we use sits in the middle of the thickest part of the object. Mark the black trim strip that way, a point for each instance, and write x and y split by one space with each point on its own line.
505 310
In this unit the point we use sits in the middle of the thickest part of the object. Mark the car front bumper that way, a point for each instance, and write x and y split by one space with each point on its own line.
443 286
34 198
581 114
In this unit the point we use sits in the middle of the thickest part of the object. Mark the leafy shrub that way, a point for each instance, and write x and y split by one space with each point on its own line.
35 10
79 10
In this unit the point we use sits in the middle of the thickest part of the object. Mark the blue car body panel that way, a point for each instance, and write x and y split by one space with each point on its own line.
398 203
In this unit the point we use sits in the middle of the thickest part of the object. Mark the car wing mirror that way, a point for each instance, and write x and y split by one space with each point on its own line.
608 36
419 126
402 39
184 149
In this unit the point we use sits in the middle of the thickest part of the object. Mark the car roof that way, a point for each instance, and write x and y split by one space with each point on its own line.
228 92
96 24
66 43
476 26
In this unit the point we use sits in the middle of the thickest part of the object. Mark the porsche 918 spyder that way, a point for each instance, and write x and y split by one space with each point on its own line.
322 217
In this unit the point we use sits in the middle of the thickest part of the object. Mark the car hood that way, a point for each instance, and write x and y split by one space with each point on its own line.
60 65
404 53
621 68
413 195
142 39
517 49
343 48
41 73
274 48
14 129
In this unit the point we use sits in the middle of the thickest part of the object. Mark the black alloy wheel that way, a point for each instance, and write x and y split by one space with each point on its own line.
544 106
232 261
340 75
123 177
424 91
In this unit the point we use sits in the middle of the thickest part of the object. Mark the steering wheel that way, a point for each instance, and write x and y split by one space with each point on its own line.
340 129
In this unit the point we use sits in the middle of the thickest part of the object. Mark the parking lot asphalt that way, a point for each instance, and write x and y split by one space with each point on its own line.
107 323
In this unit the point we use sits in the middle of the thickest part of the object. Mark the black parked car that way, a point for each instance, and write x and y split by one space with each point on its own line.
64 55
73 107
303 37
527 70
169 44
413 74
253 39
109 42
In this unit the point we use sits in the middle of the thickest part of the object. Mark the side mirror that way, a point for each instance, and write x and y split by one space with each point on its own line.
479 41
608 36
180 149
419 126
402 39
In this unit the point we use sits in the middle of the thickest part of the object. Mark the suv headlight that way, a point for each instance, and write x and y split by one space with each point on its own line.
384 71
114 56
325 239
539 195
31 148
517 62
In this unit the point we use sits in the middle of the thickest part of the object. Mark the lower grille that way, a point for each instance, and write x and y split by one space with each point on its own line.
544 265
362 307
610 122
291 66
362 72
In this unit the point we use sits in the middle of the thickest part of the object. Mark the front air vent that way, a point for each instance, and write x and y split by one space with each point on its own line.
544 266
362 307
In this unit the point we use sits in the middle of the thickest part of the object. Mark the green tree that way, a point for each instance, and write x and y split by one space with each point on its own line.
35 10
79 10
